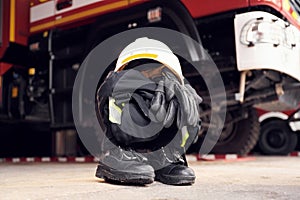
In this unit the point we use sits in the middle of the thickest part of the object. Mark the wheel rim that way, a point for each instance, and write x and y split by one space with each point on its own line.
276 138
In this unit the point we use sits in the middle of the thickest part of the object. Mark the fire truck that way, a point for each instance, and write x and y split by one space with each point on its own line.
254 43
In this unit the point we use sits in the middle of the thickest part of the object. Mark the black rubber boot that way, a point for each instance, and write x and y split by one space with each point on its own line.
171 169
175 174
125 167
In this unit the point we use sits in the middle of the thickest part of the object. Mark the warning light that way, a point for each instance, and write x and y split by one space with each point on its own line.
154 15
31 71
14 92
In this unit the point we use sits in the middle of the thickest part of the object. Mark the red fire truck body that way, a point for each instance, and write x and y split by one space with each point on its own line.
255 44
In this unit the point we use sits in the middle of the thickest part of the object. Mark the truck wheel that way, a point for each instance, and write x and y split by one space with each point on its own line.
239 137
276 138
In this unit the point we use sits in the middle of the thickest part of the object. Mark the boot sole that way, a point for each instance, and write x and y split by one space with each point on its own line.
123 177
175 180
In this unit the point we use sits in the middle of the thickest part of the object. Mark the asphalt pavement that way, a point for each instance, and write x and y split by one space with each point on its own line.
262 178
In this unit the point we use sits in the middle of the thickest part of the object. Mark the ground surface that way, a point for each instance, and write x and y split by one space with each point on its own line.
263 178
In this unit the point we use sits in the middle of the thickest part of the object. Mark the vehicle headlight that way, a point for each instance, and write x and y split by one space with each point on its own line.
260 31
297 115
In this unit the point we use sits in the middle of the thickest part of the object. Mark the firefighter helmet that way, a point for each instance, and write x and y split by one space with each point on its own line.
145 48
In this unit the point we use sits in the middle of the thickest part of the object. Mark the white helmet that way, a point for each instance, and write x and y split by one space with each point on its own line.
147 48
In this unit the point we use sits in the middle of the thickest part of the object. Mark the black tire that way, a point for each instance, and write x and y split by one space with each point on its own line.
298 139
276 138
240 137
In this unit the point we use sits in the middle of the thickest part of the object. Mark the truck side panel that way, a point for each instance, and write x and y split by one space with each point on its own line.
77 11
15 30
5 26
201 8
21 21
